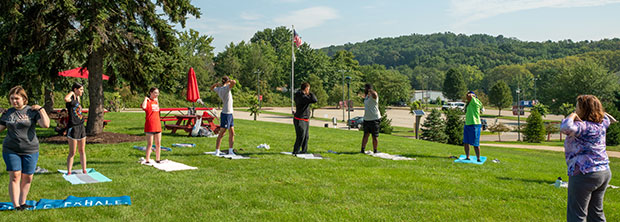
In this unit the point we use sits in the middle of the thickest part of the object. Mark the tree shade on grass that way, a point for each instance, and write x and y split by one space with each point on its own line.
275 187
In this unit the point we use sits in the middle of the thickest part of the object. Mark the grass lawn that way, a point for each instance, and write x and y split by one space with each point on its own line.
275 187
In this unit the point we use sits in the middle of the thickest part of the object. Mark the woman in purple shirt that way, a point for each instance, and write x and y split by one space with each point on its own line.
586 158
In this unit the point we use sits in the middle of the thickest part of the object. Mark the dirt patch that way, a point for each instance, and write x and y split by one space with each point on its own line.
103 138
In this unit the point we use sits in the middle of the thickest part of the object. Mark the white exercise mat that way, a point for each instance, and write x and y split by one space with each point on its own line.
388 156
167 165
308 156
232 157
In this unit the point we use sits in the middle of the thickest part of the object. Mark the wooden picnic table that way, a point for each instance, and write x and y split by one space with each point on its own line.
187 122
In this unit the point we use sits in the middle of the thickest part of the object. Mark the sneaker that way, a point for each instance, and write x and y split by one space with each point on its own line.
26 206
217 152
232 153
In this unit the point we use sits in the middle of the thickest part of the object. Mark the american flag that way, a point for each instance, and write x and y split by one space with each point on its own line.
296 38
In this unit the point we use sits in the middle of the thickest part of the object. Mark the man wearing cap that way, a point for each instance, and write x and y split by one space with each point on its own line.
471 131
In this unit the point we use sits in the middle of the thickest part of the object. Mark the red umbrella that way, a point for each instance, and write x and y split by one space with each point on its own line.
79 73
192 86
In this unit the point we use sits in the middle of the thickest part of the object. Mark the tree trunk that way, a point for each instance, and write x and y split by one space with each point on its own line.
49 99
94 125
499 136
500 112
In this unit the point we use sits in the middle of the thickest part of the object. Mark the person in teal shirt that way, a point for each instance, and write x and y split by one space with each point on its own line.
471 131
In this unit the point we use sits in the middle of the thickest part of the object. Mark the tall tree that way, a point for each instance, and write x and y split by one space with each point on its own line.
33 38
500 96
130 36
454 85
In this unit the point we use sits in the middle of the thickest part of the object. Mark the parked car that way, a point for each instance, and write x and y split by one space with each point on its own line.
356 122
454 105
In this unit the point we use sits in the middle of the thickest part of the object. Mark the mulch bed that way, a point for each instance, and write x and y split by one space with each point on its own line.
103 138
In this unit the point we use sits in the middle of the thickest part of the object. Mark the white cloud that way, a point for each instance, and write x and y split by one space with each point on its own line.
250 16
472 10
307 18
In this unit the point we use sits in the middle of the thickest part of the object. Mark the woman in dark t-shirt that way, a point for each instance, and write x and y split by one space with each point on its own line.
76 132
20 148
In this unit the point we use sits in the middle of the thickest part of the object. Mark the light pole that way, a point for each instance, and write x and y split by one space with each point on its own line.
518 115
535 98
342 71
348 99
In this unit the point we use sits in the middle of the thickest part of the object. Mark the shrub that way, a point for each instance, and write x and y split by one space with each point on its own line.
535 129
454 126
499 128
385 126
433 128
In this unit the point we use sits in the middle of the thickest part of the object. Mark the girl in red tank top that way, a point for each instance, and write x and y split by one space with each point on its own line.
152 124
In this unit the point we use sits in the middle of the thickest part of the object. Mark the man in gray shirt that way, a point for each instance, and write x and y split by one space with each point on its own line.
226 117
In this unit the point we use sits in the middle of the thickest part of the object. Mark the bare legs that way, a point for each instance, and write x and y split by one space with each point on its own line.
220 135
375 142
81 145
149 144
19 186
476 149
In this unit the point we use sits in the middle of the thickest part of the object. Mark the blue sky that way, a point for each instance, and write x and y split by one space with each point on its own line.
323 23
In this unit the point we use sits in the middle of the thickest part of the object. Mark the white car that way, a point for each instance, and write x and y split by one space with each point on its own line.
454 105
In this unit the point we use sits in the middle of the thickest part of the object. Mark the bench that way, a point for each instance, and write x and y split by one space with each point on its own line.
175 127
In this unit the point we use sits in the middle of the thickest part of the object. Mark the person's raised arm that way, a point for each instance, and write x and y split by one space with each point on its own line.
374 94
568 125
68 96
232 83
611 118
312 98
214 85
44 121
146 100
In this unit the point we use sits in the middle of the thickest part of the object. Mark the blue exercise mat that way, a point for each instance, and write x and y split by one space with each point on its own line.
142 148
72 201
91 176
472 159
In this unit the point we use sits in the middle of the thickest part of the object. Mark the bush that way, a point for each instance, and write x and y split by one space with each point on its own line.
613 132
385 126
535 129
551 128
433 128
499 128
454 126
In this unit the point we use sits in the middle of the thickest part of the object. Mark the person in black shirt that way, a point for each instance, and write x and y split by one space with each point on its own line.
303 99
20 148
76 132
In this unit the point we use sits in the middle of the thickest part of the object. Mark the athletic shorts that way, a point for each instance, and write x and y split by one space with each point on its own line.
226 120
76 132
151 133
25 163
471 134
372 127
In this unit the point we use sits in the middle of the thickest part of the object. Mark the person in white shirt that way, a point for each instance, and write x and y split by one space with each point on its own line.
226 117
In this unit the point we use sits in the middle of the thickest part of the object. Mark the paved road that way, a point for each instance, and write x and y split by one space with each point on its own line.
615 154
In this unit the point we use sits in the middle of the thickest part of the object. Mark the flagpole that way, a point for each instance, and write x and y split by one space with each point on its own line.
292 64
